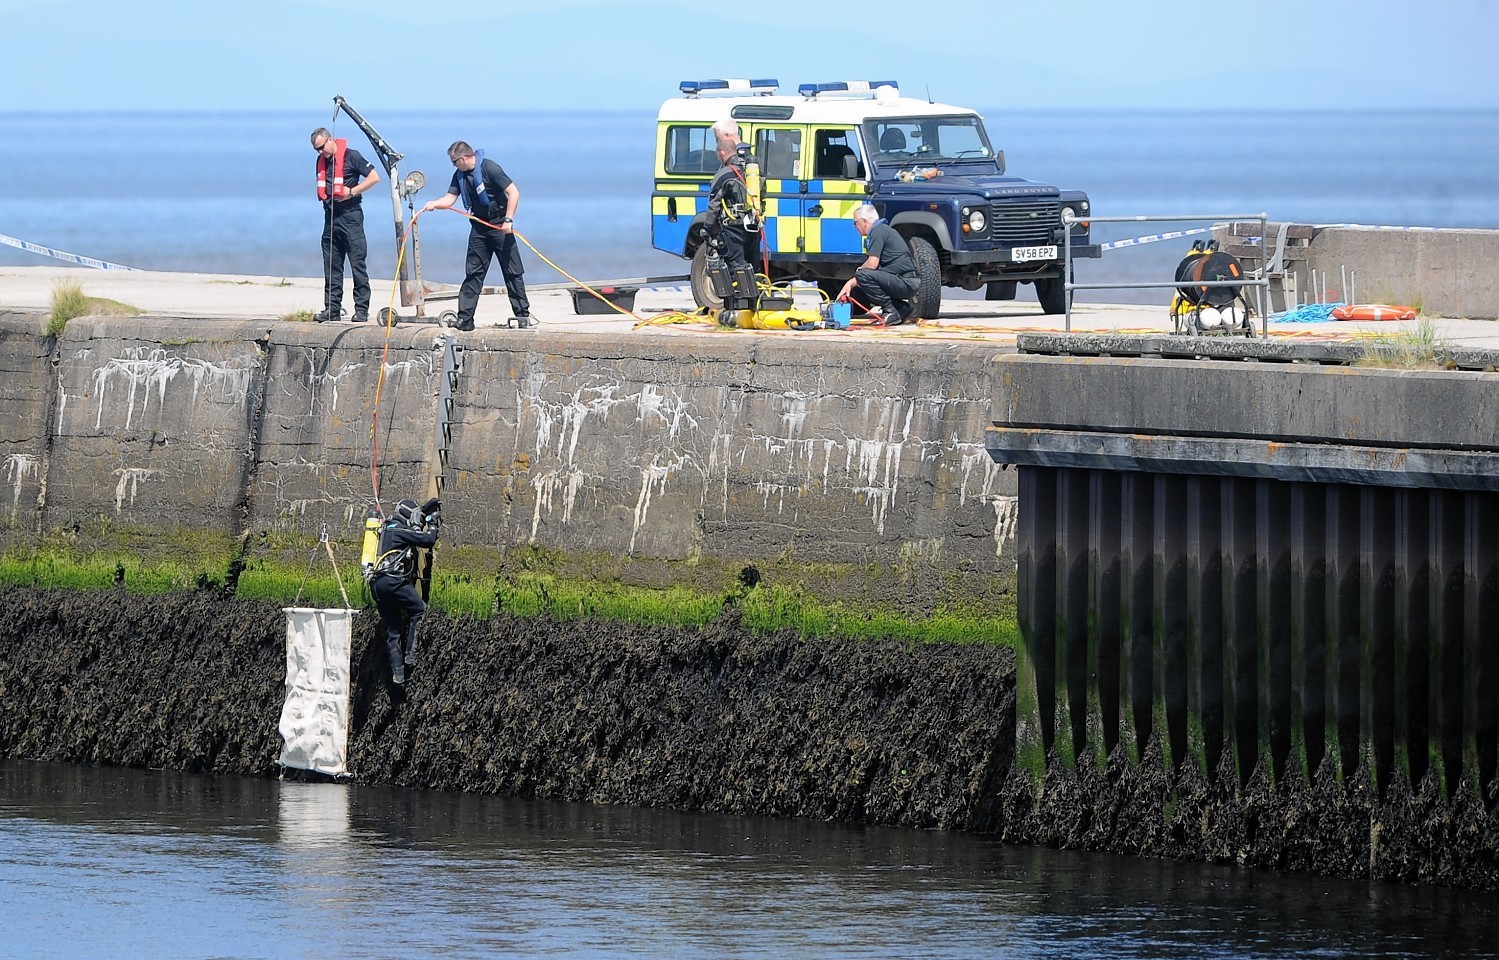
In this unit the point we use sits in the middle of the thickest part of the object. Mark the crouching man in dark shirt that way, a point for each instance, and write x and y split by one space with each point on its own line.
393 581
886 281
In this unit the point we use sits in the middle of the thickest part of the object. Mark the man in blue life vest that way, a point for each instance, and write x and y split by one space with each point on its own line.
887 279
393 579
491 196
342 175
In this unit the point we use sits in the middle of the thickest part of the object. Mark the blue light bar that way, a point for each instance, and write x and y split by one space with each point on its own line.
862 87
693 88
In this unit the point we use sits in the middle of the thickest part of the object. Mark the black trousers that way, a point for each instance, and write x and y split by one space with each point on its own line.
343 237
401 608
739 246
483 243
886 290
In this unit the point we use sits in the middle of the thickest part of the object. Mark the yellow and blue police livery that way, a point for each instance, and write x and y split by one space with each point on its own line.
928 167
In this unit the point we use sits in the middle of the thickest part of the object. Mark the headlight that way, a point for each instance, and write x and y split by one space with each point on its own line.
1069 214
977 221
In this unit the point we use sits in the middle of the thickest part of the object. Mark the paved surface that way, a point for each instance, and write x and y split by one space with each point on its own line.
230 296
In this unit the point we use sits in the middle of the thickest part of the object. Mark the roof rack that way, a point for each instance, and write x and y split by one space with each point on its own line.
764 88
857 88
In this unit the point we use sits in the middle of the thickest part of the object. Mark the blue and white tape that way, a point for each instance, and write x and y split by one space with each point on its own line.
61 254
1137 241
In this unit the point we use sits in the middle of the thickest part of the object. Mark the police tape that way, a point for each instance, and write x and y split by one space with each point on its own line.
1138 241
61 254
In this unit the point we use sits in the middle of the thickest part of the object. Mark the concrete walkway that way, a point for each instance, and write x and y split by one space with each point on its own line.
193 295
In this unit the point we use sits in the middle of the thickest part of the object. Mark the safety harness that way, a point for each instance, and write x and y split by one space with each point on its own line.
399 562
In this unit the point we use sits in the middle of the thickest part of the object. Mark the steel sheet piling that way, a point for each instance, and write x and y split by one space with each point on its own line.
1104 604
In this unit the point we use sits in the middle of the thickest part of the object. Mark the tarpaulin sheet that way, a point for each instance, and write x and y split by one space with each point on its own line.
315 718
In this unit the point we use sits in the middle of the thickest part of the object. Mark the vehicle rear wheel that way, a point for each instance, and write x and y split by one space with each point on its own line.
928 299
1052 294
702 285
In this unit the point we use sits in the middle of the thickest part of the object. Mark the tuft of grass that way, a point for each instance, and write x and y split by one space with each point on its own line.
1414 346
301 316
70 302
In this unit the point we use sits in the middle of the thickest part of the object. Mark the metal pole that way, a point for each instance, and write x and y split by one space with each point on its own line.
1263 293
1067 274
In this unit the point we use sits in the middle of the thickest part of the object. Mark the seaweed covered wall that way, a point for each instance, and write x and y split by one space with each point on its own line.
715 719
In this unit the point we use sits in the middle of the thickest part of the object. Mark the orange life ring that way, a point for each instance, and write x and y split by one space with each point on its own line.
1372 311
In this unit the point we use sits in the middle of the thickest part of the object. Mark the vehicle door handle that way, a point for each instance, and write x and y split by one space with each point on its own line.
815 210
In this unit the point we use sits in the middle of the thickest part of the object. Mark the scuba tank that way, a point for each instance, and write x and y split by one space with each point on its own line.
371 547
752 190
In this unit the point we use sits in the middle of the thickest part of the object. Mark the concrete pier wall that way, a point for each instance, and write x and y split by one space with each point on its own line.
1443 273
641 445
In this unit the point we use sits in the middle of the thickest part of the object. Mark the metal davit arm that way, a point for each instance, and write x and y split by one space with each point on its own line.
390 160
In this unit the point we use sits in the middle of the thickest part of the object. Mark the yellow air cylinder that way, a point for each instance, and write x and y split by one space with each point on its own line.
371 539
752 186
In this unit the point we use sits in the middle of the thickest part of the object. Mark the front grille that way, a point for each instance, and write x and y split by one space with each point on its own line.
1024 223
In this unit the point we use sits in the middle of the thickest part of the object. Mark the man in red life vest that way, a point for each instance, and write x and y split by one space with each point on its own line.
342 175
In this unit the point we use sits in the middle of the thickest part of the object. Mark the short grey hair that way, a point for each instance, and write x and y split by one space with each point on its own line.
866 212
725 129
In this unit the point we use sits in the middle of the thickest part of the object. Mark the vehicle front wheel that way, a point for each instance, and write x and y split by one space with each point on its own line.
928 299
702 284
1052 294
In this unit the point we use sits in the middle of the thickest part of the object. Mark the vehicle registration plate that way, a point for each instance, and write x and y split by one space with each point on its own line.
1022 254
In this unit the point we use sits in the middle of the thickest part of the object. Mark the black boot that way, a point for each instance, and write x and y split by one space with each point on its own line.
410 656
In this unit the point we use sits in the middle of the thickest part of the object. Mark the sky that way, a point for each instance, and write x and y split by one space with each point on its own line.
279 55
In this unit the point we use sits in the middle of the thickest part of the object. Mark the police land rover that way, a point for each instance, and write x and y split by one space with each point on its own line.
927 167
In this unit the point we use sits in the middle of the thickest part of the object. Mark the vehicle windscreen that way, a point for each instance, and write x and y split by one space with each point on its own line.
902 141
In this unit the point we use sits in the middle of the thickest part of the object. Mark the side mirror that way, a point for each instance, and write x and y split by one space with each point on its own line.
851 168
999 158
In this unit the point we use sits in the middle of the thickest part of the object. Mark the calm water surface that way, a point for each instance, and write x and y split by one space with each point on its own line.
127 863
234 193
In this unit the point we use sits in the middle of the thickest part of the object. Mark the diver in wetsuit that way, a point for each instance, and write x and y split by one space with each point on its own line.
393 581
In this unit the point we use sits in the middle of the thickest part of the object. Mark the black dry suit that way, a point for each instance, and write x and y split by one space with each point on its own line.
393 582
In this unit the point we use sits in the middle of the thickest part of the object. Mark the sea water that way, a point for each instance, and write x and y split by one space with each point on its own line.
99 862
235 193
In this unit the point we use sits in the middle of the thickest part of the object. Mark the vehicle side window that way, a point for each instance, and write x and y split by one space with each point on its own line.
691 150
779 152
829 149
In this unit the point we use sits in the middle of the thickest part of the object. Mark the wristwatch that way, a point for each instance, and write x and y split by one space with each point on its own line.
508 220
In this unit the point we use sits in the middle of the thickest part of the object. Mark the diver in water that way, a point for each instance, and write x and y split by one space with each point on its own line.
393 579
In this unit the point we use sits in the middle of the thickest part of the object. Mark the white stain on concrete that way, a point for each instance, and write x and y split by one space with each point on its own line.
20 467
1006 516
330 381
978 474
547 486
794 415
129 485
148 371
652 480
668 407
